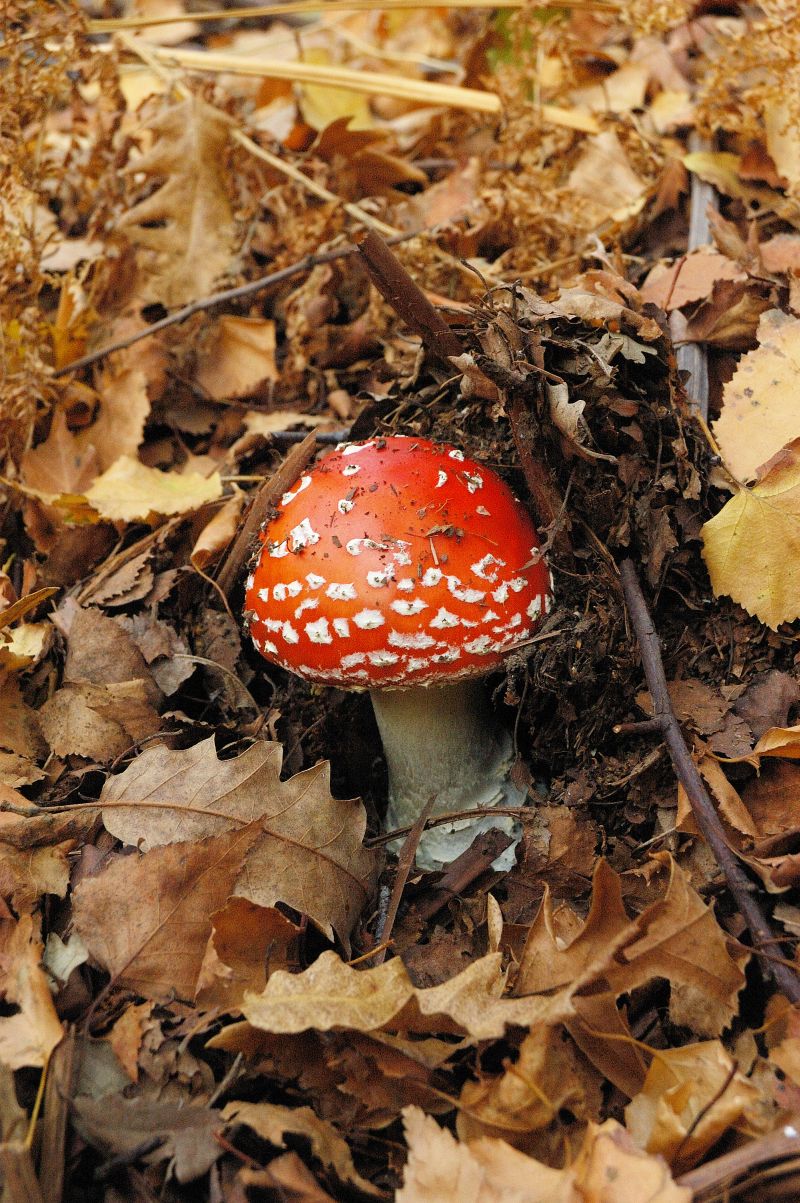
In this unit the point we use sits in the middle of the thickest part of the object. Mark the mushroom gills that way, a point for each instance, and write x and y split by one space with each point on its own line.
443 741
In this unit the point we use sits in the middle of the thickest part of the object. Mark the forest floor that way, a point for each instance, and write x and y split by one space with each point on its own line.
565 241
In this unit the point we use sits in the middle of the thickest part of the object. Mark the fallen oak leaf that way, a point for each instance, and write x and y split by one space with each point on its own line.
609 1166
676 938
186 225
272 1123
690 1097
309 854
332 995
146 919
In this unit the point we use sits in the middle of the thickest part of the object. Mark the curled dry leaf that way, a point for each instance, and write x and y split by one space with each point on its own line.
309 853
131 492
28 1036
440 1170
332 995
272 1123
676 938
691 1095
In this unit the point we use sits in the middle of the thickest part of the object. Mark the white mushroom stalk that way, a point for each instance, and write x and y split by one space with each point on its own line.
442 742
404 568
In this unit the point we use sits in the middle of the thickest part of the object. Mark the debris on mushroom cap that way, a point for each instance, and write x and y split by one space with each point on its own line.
396 562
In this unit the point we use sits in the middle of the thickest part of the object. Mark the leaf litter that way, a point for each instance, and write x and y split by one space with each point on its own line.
194 960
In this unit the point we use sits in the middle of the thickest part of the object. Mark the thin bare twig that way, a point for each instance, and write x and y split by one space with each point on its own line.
404 865
693 357
266 497
739 883
406 297
218 298
464 870
723 1172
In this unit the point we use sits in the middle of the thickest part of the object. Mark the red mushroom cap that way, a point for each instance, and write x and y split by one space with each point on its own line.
396 562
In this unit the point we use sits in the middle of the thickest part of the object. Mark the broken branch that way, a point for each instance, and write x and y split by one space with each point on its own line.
739 883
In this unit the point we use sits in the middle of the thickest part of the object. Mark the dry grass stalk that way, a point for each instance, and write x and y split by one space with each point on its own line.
373 83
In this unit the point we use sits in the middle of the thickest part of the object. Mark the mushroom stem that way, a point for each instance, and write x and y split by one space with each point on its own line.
443 741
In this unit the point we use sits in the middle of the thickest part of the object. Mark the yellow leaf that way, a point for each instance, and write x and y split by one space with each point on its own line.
321 104
752 546
759 412
722 168
691 1095
129 491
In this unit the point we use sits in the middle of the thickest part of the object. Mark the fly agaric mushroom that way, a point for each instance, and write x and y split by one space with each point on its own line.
402 567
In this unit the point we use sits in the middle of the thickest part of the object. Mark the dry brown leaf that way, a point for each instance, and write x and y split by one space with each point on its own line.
691 1095
26 875
604 176
676 938
186 224
127 384
20 731
219 532
98 722
752 546
723 170
783 143
781 253
58 466
272 1123
440 1170
548 964
330 995
29 1036
619 92
146 919
129 491
237 357
548 1074
759 412
126 1037
246 942
728 318
731 807
100 651
321 105
773 798
309 854
120 1126
689 280
286 1173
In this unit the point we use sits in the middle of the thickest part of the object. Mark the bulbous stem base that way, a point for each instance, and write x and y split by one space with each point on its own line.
442 742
